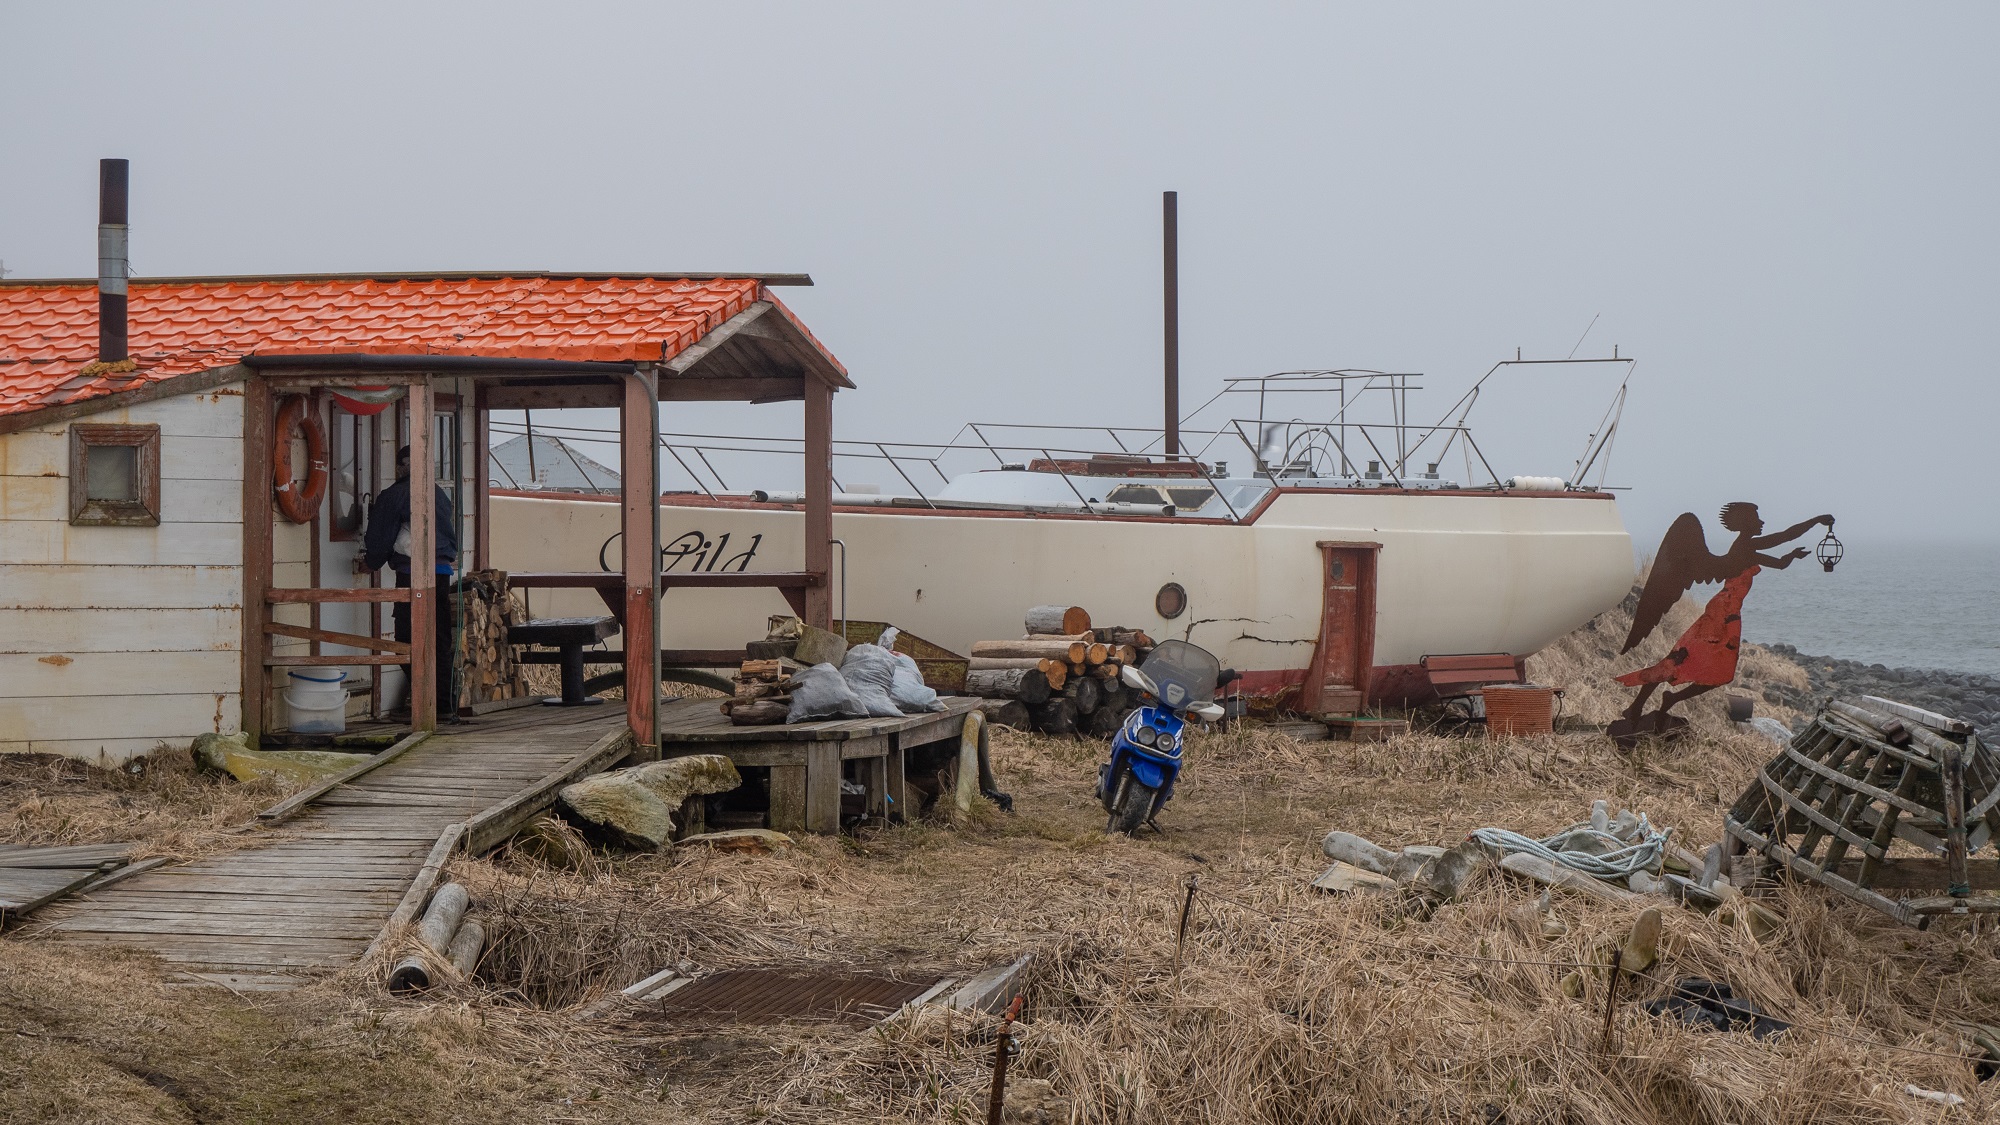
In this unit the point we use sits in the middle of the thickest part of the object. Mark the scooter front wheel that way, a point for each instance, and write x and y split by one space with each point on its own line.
1133 805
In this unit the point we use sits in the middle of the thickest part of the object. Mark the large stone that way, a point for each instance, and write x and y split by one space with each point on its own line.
635 807
231 754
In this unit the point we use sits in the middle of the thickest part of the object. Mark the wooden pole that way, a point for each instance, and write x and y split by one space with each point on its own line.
482 487
819 501
423 563
256 548
1003 1046
639 465
1611 994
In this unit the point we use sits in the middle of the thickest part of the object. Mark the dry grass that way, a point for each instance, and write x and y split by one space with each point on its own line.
160 802
1335 1010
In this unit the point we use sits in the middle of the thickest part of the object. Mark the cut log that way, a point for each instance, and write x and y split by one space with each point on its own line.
1079 668
1056 672
756 689
1006 712
995 663
1083 691
1112 695
757 712
1025 684
1068 620
1054 650
1107 670
1125 654
1086 638
1096 654
765 669
1057 716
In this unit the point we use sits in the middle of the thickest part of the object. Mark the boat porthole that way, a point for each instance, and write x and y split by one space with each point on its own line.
1171 601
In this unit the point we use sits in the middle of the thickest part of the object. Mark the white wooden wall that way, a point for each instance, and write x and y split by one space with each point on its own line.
115 639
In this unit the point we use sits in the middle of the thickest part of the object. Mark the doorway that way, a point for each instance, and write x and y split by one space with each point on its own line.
1343 660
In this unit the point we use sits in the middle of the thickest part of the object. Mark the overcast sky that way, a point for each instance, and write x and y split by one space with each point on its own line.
1785 212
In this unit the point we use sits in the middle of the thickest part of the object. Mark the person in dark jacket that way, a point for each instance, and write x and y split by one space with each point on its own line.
387 541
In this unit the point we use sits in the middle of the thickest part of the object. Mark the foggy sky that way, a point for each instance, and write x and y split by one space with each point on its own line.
1784 211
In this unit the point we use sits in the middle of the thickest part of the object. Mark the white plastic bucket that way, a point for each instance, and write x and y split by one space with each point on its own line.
316 703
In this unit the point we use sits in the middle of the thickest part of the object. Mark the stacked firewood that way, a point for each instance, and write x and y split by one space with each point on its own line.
1061 677
486 667
763 692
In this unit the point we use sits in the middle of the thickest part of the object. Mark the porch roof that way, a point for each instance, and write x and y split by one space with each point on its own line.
179 326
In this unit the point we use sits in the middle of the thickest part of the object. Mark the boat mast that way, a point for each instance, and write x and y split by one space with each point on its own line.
1169 222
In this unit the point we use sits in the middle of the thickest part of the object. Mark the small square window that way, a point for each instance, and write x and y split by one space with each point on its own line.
114 475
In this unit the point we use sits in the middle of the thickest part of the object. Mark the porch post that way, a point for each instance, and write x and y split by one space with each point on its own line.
639 466
819 501
257 424
482 488
424 654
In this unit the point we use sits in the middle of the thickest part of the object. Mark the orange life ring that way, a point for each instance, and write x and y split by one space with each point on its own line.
299 502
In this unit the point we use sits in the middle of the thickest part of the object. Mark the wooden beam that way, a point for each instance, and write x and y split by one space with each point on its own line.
773 389
192 383
256 516
328 636
305 797
700 349
423 565
819 501
639 466
292 595
506 396
482 480
497 822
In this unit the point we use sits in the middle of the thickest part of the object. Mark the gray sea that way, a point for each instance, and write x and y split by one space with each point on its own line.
1904 605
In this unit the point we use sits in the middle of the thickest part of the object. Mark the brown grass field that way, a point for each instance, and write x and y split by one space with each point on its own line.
1287 1006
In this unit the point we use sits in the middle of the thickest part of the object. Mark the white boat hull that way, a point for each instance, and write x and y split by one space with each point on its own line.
1459 572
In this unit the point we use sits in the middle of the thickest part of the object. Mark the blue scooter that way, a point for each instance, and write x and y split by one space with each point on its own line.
1180 679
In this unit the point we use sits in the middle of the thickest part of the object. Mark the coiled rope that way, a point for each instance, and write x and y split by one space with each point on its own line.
1618 861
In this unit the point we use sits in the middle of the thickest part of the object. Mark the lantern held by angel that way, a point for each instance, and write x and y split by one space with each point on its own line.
1705 656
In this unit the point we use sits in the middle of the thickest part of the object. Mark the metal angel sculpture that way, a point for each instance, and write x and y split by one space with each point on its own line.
1705 656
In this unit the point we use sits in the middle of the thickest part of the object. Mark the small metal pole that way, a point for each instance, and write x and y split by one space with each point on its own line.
1611 994
996 1100
1187 908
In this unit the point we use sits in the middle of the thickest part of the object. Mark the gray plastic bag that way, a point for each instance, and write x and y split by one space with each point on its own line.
909 691
870 670
821 692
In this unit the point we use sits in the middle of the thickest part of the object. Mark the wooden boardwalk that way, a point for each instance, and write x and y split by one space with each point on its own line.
314 898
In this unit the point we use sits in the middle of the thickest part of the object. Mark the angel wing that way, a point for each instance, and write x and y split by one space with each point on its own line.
1682 560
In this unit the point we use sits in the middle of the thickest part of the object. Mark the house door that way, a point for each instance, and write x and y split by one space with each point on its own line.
1344 659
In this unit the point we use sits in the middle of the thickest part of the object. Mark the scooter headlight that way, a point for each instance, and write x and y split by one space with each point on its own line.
1145 735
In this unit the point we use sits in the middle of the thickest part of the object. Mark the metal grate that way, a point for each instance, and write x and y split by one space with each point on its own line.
762 996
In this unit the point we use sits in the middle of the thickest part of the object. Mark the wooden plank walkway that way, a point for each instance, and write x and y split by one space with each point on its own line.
313 899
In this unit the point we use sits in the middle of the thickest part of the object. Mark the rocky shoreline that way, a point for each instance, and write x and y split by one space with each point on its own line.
1964 695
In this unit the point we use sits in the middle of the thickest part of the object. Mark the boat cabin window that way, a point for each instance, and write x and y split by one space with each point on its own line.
1188 499
1135 494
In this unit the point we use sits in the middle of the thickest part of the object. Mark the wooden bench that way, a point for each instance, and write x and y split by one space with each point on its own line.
1462 676
569 635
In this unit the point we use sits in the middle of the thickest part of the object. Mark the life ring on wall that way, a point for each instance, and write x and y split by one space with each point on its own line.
299 501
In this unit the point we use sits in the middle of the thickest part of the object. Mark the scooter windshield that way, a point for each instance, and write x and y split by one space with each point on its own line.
1184 673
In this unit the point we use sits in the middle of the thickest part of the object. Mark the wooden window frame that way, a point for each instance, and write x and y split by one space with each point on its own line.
363 436
143 512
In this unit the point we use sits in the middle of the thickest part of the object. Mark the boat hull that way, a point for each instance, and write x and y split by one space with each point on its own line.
1461 572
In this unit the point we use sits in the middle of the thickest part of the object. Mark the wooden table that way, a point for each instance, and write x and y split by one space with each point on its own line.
568 635
805 758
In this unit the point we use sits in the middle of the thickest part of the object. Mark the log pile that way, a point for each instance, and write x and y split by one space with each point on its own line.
486 662
1061 676
763 692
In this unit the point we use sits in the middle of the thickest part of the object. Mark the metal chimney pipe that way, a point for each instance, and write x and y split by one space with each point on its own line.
1170 232
113 266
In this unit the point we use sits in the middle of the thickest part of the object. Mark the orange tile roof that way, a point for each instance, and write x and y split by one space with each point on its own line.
48 331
